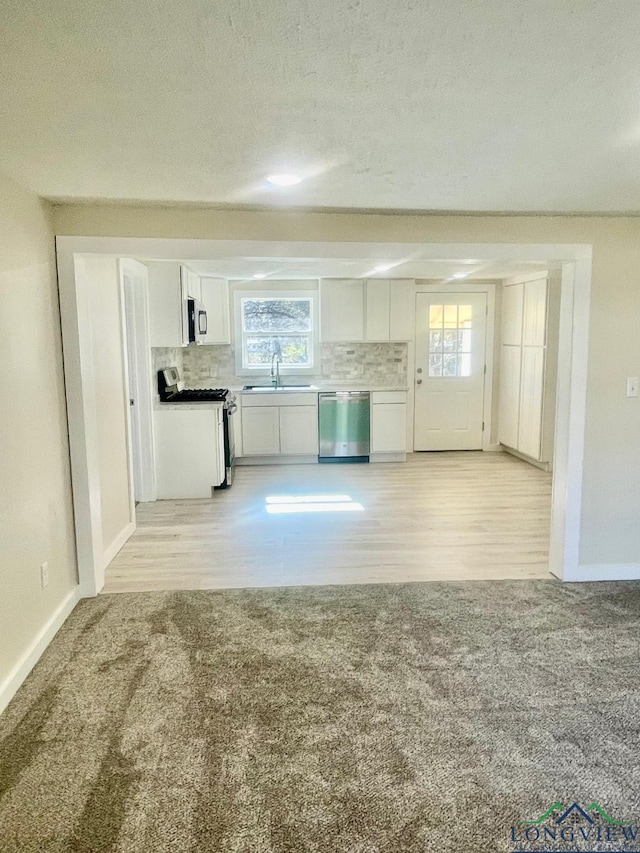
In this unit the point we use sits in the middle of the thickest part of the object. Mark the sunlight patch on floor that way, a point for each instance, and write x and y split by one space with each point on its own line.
284 504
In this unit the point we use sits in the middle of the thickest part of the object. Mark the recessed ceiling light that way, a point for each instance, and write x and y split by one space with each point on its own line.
460 275
260 274
283 180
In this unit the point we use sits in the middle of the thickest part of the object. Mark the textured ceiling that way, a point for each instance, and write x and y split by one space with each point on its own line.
425 104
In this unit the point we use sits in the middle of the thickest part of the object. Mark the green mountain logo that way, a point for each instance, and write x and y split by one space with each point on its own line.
573 809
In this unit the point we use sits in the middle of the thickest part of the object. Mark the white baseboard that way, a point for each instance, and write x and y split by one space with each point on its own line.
9 687
118 542
277 460
606 572
543 466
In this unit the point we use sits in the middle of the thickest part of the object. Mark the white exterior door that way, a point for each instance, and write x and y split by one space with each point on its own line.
450 363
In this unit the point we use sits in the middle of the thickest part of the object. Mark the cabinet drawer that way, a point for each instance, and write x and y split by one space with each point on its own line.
388 397
280 398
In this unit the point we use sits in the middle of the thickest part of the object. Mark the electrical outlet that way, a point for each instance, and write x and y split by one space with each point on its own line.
44 574
632 386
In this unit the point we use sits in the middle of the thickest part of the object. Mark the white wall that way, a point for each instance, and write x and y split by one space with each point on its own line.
36 519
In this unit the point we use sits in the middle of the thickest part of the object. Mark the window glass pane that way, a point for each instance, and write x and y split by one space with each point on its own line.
276 315
464 364
451 316
449 365
258 350
450 340
435 341
295 350
435 365
435 316
464 341
465 316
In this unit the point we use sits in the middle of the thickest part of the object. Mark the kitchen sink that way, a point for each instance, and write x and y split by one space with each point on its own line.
283 387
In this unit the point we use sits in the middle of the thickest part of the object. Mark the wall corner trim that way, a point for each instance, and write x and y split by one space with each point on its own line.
118 543
10 686
606 572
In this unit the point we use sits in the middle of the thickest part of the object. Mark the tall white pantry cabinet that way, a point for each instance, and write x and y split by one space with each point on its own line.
528 367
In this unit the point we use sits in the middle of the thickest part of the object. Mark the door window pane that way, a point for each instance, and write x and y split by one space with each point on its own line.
464 340
435 365
451 316
464 316
450 340
435 316
435 341
449 365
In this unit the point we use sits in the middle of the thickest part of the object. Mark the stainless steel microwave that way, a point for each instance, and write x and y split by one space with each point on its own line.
197 314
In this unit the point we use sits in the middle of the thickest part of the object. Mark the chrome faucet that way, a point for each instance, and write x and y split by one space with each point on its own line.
275 377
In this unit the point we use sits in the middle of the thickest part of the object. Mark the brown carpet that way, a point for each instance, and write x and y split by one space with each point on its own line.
367 719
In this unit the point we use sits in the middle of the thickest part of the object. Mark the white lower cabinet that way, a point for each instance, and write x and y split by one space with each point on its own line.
189 448
388 422
298 430
280 424
260 430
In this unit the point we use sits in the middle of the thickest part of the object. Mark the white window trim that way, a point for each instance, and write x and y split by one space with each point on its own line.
288 370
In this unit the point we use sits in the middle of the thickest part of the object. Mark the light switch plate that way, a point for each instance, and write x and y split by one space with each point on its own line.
632 386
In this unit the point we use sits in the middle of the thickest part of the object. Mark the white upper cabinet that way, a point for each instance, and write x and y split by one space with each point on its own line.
170 285
377 326
215 296
402 303
534 313
191 283
512 300
341 310
168 322
379 309
390 304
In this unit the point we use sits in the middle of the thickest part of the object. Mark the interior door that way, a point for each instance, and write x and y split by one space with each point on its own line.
134 284
450 366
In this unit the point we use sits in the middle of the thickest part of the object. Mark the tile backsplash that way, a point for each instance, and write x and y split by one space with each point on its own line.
373 363
201 364
377 364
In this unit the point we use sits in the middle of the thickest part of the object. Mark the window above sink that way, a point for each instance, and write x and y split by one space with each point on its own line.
281 325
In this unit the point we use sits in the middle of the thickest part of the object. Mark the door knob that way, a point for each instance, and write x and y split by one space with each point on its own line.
419 370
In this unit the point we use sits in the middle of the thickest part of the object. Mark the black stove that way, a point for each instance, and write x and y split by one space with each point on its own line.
195 395
171 390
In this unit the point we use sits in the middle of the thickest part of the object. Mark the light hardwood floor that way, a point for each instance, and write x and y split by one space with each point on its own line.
439 516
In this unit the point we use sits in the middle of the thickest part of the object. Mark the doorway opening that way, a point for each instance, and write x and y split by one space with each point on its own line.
575 265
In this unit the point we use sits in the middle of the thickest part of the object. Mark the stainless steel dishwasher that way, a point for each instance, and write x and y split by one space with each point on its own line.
344 426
